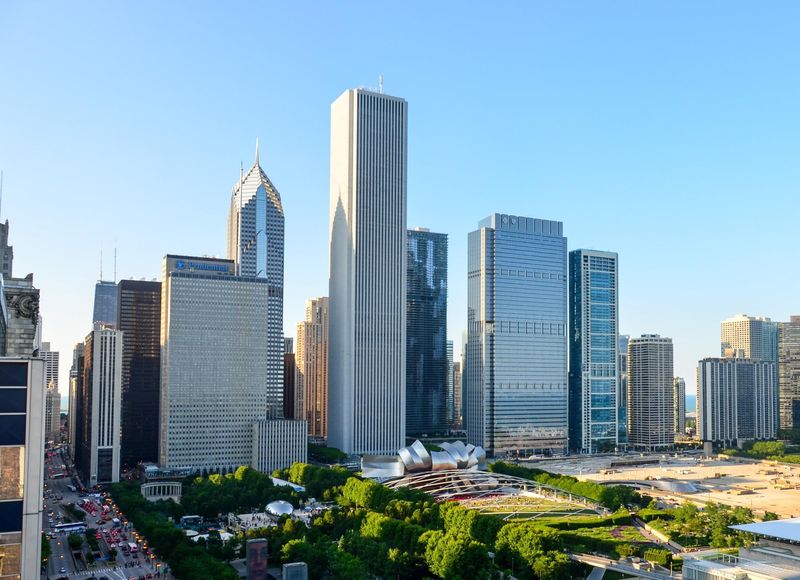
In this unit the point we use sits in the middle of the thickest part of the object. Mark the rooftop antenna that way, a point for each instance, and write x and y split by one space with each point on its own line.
115 264
239 218
101 264
380 83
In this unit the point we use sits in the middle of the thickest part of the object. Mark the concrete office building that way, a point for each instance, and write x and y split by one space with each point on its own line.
277 443
622 381
139 318
367 328
255 244
101 405
312 368
52 421
450 407
749 337
651 417
21 329
679 406
789 373
426 333
51 359
22 437
6 252
515 386
457 407
594 332
737 400
105 303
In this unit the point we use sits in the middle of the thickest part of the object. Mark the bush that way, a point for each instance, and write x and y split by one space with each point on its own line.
658 556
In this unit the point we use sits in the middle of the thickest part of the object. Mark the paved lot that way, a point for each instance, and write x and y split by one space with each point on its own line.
125 566
755 485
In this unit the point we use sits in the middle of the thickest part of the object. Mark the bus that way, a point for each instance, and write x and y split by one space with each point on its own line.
74 527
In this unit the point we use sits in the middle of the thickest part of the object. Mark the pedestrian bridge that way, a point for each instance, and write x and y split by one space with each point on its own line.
162 490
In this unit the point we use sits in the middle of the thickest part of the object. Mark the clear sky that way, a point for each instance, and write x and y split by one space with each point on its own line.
665 131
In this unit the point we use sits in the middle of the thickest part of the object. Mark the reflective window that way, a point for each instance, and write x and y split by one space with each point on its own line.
12 468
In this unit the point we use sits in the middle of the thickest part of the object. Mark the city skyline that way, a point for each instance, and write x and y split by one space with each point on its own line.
697 152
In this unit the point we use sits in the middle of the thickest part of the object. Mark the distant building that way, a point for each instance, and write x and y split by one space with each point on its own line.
515 387
52 421
105 303
457 408
101 402
367 328
594 331
755 337
255 244
651 419
139 318
51 359
277 443
289 382
312 368
426 333
622 395
679 405
737 400
6 252
789 373
74 418
22 413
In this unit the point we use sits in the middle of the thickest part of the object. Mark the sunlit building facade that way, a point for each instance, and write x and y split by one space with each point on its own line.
515 386
594 330
651 415
752 337
312 368
789 373
679 405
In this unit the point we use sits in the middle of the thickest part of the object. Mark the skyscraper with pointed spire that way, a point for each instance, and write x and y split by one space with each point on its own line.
255 244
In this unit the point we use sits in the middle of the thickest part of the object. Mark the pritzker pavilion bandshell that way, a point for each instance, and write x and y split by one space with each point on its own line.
458 473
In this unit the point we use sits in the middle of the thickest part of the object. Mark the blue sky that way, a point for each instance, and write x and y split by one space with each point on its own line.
665 131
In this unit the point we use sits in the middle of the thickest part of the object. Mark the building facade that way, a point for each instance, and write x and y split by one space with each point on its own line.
651 417
290 392
622 397
737 400
789 373
52 421
457 407
255 244
75 389
105 303
515 386
22 438
679 406
594 332
367 327
749 337
22 328
427 362
6 252
312 368
51 359
277 443
139 318
101 403
214 363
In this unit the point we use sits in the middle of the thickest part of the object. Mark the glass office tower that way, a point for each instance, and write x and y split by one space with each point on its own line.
515 386
105 303
594 330
426 333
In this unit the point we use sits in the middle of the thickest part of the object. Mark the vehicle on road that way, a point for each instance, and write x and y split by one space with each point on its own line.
76 527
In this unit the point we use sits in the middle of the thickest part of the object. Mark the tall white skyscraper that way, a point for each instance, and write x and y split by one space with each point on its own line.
594 328
515 386
255 244
651 414
367 361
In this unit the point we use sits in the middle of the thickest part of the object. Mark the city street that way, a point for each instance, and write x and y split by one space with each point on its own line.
134 564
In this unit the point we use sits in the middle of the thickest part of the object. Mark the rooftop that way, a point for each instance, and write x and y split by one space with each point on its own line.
788 529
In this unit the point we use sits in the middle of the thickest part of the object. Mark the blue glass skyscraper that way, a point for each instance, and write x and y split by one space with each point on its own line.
427 362
593 357
515 386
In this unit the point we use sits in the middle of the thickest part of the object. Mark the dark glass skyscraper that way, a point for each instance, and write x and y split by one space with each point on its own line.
426 332
139 318
105 303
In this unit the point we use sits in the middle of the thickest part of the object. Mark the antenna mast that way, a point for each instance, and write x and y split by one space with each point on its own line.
239 220
380 83
115 264
101 264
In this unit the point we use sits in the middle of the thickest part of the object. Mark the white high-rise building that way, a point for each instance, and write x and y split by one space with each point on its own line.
367 361
214 363
53 404
101 401
255 244
651 413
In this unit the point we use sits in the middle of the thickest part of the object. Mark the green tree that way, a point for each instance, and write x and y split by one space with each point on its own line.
46 549
551 566
75 541
454 556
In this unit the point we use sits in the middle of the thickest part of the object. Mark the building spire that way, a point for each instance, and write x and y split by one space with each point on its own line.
257 163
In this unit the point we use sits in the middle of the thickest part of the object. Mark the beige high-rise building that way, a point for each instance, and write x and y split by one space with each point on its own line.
651 413
789 373
752 337
311 383
52 413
